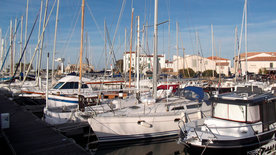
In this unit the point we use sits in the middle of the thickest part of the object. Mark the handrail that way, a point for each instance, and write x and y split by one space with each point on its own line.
210 130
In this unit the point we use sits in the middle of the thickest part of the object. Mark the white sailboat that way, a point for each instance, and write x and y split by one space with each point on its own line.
149 119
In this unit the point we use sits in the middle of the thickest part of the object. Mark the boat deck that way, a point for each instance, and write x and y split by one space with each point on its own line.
30 135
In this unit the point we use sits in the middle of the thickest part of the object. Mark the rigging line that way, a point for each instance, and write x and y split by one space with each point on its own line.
110 46
95 21
119 19
10 45
115 33
71 35
37 47
23 52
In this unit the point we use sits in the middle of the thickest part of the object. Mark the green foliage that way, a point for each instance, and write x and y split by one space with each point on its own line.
209 73
187 72
263 71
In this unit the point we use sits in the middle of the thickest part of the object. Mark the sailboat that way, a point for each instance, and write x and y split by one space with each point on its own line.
72 98
154 116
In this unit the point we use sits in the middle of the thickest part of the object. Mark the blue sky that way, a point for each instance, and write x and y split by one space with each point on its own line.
192 16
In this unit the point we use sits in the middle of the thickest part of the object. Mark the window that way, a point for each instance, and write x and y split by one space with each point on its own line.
70 85
230 112
58 85
193 106
271 65
149 65
178 108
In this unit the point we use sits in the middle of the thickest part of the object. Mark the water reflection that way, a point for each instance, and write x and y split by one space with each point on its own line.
157 147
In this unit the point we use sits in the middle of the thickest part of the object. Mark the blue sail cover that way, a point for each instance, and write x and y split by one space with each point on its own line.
197 90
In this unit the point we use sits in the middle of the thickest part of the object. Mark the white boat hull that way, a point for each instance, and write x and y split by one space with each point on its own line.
130 128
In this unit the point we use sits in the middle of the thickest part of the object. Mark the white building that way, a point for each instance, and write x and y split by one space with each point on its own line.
145 62
201 64
223 65
256 61
195 62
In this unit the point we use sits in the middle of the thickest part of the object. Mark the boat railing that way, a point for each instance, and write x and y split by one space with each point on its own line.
198 126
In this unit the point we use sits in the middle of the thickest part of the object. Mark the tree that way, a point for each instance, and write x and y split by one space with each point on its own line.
209 73
186 72
119 65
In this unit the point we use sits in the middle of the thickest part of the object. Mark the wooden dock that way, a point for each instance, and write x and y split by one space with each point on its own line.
30 135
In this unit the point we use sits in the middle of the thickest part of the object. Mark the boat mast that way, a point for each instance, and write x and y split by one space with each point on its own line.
11 49
245 39
155 67
38 36
212 33
21 43
105 48
41 45
138 54
177 50
235 57
47 80
26 29
130 49
55 38
14 44
81 45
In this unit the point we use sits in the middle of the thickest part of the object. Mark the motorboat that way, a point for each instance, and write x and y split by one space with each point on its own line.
241 120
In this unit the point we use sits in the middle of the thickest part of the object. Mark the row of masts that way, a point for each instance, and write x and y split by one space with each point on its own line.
39 47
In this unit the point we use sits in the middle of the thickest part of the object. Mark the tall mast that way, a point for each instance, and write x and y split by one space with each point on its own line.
235 54
21 41
11 49
81 45
212 33
14 44
245 39
38 36
105 50
130 48
42 40
138 53
177 50
125 64
155 67
26 29
55 38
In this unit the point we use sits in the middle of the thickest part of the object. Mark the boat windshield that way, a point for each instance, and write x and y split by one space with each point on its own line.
73 85
230 112
58 85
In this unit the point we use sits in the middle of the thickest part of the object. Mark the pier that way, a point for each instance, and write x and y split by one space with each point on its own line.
28 134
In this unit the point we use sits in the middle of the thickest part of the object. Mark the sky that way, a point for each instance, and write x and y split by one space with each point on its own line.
194 18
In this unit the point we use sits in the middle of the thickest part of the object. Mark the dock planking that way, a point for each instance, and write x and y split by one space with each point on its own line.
30 135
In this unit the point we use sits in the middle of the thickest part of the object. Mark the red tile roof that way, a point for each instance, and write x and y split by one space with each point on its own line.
262 59
216 58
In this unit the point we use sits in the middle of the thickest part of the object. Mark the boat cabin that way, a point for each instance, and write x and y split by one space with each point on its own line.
69 82
250 107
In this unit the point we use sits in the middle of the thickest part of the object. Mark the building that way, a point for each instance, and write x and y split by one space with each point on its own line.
195 62
256 61
223 65
145 62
